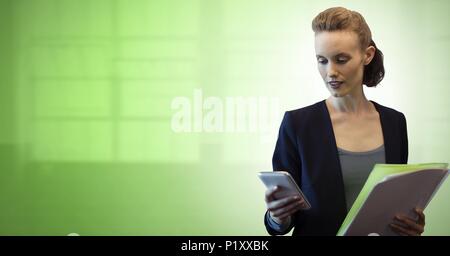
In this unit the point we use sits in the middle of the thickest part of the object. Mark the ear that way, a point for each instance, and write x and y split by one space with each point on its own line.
369 54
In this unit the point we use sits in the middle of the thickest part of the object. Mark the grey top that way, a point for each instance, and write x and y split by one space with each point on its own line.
356 167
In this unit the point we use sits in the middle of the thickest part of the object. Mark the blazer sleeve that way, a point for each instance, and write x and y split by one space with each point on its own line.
285 158
404 132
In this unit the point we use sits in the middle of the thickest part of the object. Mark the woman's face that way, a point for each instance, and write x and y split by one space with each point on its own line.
341 62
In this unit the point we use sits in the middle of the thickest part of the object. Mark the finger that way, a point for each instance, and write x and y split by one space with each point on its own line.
293 205
289 207
410 223
400 229
277 204
289 213
270 193
421 215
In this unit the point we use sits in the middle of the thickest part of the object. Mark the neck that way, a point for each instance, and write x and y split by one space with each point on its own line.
350 104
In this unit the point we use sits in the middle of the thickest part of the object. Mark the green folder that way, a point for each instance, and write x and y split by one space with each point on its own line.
379 174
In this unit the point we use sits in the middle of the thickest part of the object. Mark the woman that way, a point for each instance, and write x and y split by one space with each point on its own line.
330 147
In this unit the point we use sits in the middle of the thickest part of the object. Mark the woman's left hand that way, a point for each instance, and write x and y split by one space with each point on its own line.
407 226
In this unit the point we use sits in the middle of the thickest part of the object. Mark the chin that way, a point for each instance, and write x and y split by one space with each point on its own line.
336 94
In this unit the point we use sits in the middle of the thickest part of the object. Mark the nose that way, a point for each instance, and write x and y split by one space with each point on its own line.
332 71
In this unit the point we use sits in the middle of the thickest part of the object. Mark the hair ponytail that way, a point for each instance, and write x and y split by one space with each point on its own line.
374 71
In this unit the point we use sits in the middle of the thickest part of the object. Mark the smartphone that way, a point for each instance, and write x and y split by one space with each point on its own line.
285 182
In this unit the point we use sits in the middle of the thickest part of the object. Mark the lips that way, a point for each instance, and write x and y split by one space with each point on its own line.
335 84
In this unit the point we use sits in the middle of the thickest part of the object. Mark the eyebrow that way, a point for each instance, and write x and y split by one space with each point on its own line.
341 54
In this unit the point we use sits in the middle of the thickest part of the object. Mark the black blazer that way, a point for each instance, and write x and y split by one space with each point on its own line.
306 147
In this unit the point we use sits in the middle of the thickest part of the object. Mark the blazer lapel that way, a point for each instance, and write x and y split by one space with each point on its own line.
333 155
388 136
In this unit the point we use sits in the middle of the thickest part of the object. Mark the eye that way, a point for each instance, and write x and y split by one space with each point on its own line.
322 61
342 60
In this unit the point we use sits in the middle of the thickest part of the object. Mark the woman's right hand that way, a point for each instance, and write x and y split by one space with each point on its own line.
282 208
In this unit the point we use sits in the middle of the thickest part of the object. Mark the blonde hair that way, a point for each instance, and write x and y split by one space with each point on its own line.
340 18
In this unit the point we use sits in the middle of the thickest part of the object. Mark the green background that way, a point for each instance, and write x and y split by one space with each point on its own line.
86 86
